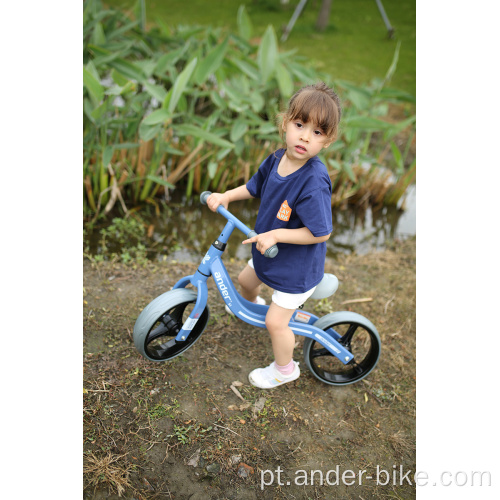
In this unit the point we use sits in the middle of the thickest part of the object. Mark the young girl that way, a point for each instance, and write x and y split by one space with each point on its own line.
295 213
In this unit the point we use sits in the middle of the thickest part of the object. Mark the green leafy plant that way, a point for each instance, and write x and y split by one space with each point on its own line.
192 108
122 240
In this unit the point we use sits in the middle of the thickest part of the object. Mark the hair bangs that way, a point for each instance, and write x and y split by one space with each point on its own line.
316 107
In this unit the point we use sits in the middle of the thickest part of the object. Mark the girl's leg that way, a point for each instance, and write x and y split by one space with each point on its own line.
249 283
282 337
283 369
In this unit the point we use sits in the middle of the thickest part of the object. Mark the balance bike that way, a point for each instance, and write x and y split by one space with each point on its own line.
340 348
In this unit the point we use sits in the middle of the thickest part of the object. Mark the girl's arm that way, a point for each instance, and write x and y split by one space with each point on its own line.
236 194
300 236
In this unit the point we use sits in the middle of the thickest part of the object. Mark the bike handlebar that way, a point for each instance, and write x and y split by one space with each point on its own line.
204 197
271 252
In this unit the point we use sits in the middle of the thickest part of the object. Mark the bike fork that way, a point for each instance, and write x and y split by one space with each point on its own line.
199 307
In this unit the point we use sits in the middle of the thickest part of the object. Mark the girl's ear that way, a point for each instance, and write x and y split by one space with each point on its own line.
330 140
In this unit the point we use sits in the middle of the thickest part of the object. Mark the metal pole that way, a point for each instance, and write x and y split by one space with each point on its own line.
295 16
381 9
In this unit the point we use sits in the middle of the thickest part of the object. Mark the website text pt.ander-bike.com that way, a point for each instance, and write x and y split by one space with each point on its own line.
397 476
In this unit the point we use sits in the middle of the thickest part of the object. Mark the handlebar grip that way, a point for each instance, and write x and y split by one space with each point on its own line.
204 197
271 252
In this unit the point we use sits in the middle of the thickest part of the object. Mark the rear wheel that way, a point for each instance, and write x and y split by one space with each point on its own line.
160 322
358 336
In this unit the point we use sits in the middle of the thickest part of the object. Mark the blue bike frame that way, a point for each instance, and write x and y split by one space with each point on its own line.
301 322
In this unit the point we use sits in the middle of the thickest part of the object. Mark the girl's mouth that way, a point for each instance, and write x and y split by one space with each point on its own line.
300 149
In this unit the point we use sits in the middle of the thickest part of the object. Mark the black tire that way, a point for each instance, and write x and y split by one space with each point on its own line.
160 321
359 337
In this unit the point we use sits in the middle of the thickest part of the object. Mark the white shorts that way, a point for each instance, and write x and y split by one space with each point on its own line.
288 300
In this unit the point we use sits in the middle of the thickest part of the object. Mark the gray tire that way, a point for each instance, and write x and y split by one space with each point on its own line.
359 336
160 321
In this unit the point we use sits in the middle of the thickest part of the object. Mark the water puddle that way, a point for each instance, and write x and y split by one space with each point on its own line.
185 230
363 232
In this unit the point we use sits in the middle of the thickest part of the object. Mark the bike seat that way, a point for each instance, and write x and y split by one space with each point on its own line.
326 287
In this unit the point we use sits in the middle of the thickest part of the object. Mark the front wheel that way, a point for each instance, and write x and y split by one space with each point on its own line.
160 322
357 335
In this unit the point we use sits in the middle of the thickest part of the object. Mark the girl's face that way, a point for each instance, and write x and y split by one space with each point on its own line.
304 140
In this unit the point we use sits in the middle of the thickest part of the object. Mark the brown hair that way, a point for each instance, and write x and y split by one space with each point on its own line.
317 103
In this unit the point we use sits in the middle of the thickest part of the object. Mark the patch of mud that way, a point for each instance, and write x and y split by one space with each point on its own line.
157 416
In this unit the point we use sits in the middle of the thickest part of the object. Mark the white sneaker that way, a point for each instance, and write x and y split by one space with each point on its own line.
258 300
269 377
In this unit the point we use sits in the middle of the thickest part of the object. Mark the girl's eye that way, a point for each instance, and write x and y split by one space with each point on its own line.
318 132
298 124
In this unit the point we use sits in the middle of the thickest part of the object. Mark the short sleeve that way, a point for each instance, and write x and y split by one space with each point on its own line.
315 211
254 185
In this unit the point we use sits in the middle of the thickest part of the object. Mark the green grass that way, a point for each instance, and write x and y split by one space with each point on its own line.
354 47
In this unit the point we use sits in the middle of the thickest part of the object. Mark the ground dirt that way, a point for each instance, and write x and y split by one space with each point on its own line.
177 430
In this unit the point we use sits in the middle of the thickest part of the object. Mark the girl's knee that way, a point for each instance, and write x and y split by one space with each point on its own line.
277 324
242 281
248 279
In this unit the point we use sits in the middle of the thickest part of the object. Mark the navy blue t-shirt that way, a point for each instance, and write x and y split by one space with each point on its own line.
300 199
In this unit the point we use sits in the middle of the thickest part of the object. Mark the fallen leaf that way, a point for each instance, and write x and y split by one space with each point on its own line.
237 393
237 383
258 406
193 462
244 470
148 484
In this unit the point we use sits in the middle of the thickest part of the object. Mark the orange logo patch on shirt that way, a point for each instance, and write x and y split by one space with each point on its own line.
284 212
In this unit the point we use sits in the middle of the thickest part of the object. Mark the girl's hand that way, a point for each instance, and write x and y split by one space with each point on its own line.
216 199
263 241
